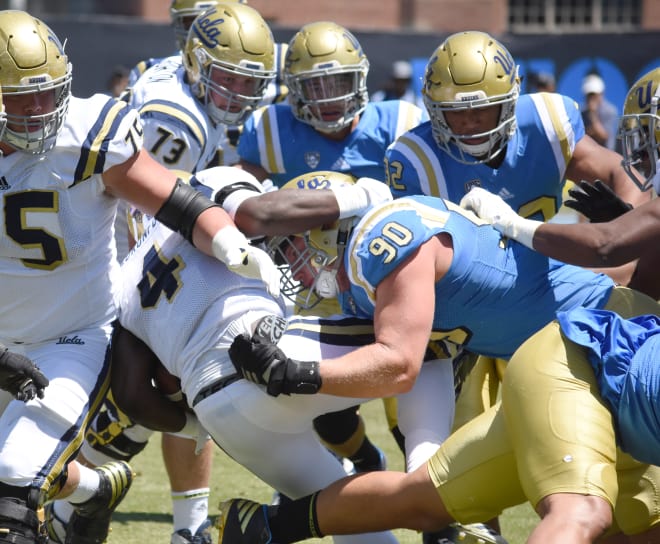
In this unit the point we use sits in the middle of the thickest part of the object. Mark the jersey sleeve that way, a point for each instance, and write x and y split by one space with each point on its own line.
103 132
400 170
172 135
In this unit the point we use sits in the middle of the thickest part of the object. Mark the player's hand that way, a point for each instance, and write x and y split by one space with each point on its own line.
266 364
492 209
20 376
597 202
489 207
232 248
377 192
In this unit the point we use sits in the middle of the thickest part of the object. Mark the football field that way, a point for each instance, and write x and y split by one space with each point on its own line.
145 514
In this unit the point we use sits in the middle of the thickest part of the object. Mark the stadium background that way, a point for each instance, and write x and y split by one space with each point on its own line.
95 46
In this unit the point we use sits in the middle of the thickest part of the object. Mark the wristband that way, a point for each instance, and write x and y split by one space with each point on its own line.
234 200
302 378
351 200
522 230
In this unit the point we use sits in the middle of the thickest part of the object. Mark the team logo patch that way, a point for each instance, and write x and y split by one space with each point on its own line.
269 329
312 159
470 184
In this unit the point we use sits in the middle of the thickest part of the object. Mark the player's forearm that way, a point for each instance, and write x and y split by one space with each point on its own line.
631 236
583 244
286 212
372 371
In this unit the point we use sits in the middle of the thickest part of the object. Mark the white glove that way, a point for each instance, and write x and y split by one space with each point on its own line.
492 209
356 199
232 248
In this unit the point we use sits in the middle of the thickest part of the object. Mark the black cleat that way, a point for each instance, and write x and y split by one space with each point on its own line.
242 521
90 521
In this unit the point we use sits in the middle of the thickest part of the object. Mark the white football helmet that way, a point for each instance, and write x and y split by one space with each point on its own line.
309 261
32 62
229 46
326 71
639 131
471 70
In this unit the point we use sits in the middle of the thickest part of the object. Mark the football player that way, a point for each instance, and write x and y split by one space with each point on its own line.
328 124
65 163
628 237
168 281
482 132
402 265
186 103
182 15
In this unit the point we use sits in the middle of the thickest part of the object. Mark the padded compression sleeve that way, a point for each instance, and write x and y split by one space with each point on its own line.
181 209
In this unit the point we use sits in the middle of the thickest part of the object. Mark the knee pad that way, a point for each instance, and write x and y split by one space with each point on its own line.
109 433
338 427
20 524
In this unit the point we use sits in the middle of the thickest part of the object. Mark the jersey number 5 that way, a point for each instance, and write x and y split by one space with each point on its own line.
27 207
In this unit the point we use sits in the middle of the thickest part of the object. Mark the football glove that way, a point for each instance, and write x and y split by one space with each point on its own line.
492 209
597 202
232 248
266 364
20 376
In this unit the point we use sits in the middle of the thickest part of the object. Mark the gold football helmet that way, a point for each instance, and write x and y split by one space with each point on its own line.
229 60
471 70
309 261
183 13
326 72
32 62
639 130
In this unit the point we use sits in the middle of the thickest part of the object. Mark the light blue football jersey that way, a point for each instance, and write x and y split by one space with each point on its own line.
496 293
625 356
531 176
286 147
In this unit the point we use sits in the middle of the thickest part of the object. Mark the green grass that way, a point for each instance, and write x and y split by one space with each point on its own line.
145 515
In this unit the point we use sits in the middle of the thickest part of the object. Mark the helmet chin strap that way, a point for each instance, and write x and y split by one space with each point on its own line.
326 285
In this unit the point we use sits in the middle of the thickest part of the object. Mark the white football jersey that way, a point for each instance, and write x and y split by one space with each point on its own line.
180 301
57 257
177 131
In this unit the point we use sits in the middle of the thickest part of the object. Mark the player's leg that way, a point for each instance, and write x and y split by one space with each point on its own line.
478 393
568 470
55 424
275 440
390 406
344 432
188 467
471 477
425 414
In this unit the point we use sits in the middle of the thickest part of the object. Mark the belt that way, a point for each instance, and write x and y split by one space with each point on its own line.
214 388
